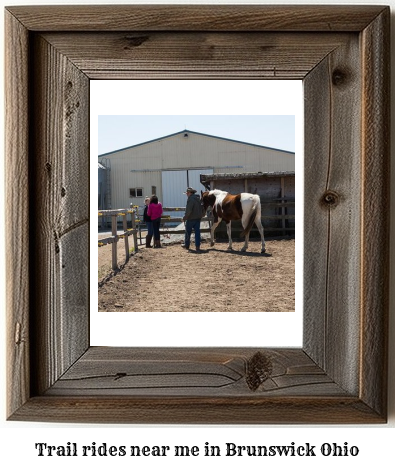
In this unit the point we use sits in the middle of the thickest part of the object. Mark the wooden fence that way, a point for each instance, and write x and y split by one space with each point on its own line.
136 224
277 215
282 206
135 231
115 237
171 220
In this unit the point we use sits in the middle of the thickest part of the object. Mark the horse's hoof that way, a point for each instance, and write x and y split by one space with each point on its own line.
212 244
243 250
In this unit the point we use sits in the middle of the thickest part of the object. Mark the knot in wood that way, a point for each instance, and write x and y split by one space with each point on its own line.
259 369
330 198
339 77
135 41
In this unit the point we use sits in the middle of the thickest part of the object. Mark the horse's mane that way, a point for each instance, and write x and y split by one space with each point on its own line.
218 191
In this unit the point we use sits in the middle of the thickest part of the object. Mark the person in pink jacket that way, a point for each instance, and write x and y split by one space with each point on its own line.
155 211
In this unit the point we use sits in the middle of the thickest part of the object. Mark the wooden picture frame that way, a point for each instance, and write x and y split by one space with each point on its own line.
340 374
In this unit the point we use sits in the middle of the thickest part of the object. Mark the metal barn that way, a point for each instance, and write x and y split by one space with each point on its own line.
104 190
167 165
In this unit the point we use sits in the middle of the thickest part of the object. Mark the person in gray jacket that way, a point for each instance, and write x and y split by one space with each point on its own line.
192 217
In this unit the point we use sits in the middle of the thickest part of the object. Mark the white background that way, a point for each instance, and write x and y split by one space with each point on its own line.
17 439
210 97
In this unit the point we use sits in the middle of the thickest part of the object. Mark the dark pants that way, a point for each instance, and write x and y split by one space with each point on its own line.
150 228
190 225
155 226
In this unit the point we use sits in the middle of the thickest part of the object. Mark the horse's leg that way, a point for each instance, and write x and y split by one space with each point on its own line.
229 230
246 240
213 227
244 222
258 223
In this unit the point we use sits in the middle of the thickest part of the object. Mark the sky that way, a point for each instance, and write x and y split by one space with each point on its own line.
116 132
126 113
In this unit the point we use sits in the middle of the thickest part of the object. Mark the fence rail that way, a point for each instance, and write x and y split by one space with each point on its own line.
137 225
115 237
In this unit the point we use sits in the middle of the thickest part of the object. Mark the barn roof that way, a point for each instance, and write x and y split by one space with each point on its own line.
187 131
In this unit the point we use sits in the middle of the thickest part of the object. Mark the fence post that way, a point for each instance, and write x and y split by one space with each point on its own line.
136 248
126 236
114 244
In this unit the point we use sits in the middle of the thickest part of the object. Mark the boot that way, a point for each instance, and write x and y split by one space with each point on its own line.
148 239
157 244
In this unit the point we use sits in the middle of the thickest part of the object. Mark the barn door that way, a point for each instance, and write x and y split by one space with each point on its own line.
174 184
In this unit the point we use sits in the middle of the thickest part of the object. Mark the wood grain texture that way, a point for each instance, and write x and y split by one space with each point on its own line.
17 212
196 18
198 410
317 112
196 54
375 207
332 214
339 376
60 195
191 372
161 385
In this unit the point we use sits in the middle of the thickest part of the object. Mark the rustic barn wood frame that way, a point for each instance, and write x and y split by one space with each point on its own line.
340 374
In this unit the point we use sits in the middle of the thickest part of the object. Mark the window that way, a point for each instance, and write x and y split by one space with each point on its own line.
136 192
153 190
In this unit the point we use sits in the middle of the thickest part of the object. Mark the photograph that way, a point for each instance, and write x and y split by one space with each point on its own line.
228 198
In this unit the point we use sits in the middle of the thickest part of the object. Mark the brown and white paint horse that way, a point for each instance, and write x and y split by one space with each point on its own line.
228 207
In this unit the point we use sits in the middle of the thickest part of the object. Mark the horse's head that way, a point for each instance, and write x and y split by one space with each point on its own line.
205 199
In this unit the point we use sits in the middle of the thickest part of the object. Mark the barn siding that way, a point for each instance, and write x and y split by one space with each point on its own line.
141 165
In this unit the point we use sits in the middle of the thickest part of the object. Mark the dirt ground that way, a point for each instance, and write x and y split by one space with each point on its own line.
172 279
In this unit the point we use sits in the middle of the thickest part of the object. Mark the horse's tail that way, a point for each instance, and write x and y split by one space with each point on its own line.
255 207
